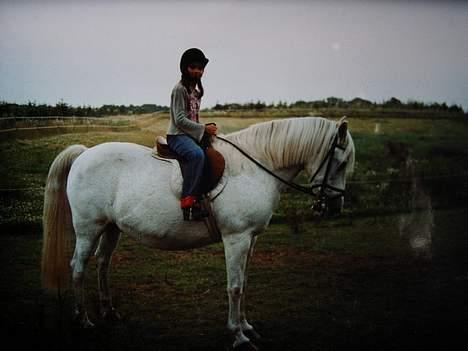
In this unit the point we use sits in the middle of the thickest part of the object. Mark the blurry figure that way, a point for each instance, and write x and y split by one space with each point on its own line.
377 128
416 226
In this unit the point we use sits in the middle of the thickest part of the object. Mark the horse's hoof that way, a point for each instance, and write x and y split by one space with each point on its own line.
111 315
82 321
252 335
245 346
87 324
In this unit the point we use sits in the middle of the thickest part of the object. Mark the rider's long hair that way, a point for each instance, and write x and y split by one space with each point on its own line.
190 56
190 83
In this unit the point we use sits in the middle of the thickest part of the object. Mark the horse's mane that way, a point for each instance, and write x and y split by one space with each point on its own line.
283 143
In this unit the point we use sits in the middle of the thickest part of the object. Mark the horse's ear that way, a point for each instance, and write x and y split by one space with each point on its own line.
342 130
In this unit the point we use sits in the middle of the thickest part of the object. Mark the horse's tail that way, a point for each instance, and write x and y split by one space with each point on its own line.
57 223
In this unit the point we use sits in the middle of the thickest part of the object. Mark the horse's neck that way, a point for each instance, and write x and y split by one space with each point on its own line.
287 143
287 174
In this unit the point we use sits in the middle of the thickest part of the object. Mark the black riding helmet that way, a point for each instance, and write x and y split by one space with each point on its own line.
190 56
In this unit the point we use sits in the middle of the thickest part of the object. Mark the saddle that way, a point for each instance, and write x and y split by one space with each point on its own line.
214 165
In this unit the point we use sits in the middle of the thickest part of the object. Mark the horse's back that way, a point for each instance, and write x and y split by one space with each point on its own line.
112 152
114 161
113 177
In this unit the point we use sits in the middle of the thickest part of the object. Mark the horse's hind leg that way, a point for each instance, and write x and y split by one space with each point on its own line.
85 244
107 244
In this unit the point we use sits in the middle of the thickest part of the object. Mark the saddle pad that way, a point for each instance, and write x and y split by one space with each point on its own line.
162 148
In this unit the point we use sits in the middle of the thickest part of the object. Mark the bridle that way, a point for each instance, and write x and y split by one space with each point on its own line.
320 204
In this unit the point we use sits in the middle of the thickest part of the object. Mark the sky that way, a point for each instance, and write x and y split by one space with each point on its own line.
128 52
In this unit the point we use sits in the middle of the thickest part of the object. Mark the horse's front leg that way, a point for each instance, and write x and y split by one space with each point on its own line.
236 248
247 328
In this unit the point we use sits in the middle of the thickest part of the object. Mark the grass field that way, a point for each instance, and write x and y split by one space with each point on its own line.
355 281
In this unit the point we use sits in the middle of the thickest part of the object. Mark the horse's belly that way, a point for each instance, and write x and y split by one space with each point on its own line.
184 235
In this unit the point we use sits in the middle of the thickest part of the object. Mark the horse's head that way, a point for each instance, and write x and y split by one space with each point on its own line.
329 182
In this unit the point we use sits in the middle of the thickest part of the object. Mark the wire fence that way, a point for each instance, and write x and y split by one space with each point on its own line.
20 204
350 182
21 207
9 125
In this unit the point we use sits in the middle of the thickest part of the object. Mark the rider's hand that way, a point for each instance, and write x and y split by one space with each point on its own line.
211 129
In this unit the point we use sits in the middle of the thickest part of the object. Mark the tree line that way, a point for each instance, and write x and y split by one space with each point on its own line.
334 102
63 109
32 109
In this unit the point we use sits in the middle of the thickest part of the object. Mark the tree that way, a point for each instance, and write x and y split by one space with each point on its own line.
392 103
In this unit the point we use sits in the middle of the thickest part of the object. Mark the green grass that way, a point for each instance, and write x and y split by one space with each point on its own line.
340 283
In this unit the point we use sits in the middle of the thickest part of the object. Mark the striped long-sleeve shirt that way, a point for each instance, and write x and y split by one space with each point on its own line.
184 113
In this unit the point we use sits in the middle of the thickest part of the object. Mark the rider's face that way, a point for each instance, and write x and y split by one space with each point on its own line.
195 70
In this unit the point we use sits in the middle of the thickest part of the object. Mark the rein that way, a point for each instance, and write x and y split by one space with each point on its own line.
307 190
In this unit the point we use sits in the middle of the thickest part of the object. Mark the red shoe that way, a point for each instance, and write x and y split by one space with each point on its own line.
192 209
187 201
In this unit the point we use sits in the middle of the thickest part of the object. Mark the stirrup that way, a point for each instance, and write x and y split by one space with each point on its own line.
194 213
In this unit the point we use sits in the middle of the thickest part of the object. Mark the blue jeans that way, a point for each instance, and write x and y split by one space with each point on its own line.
194 162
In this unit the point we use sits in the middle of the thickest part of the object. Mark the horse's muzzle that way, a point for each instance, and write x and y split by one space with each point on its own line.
327 207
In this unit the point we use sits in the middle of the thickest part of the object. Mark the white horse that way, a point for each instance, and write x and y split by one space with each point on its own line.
99 192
